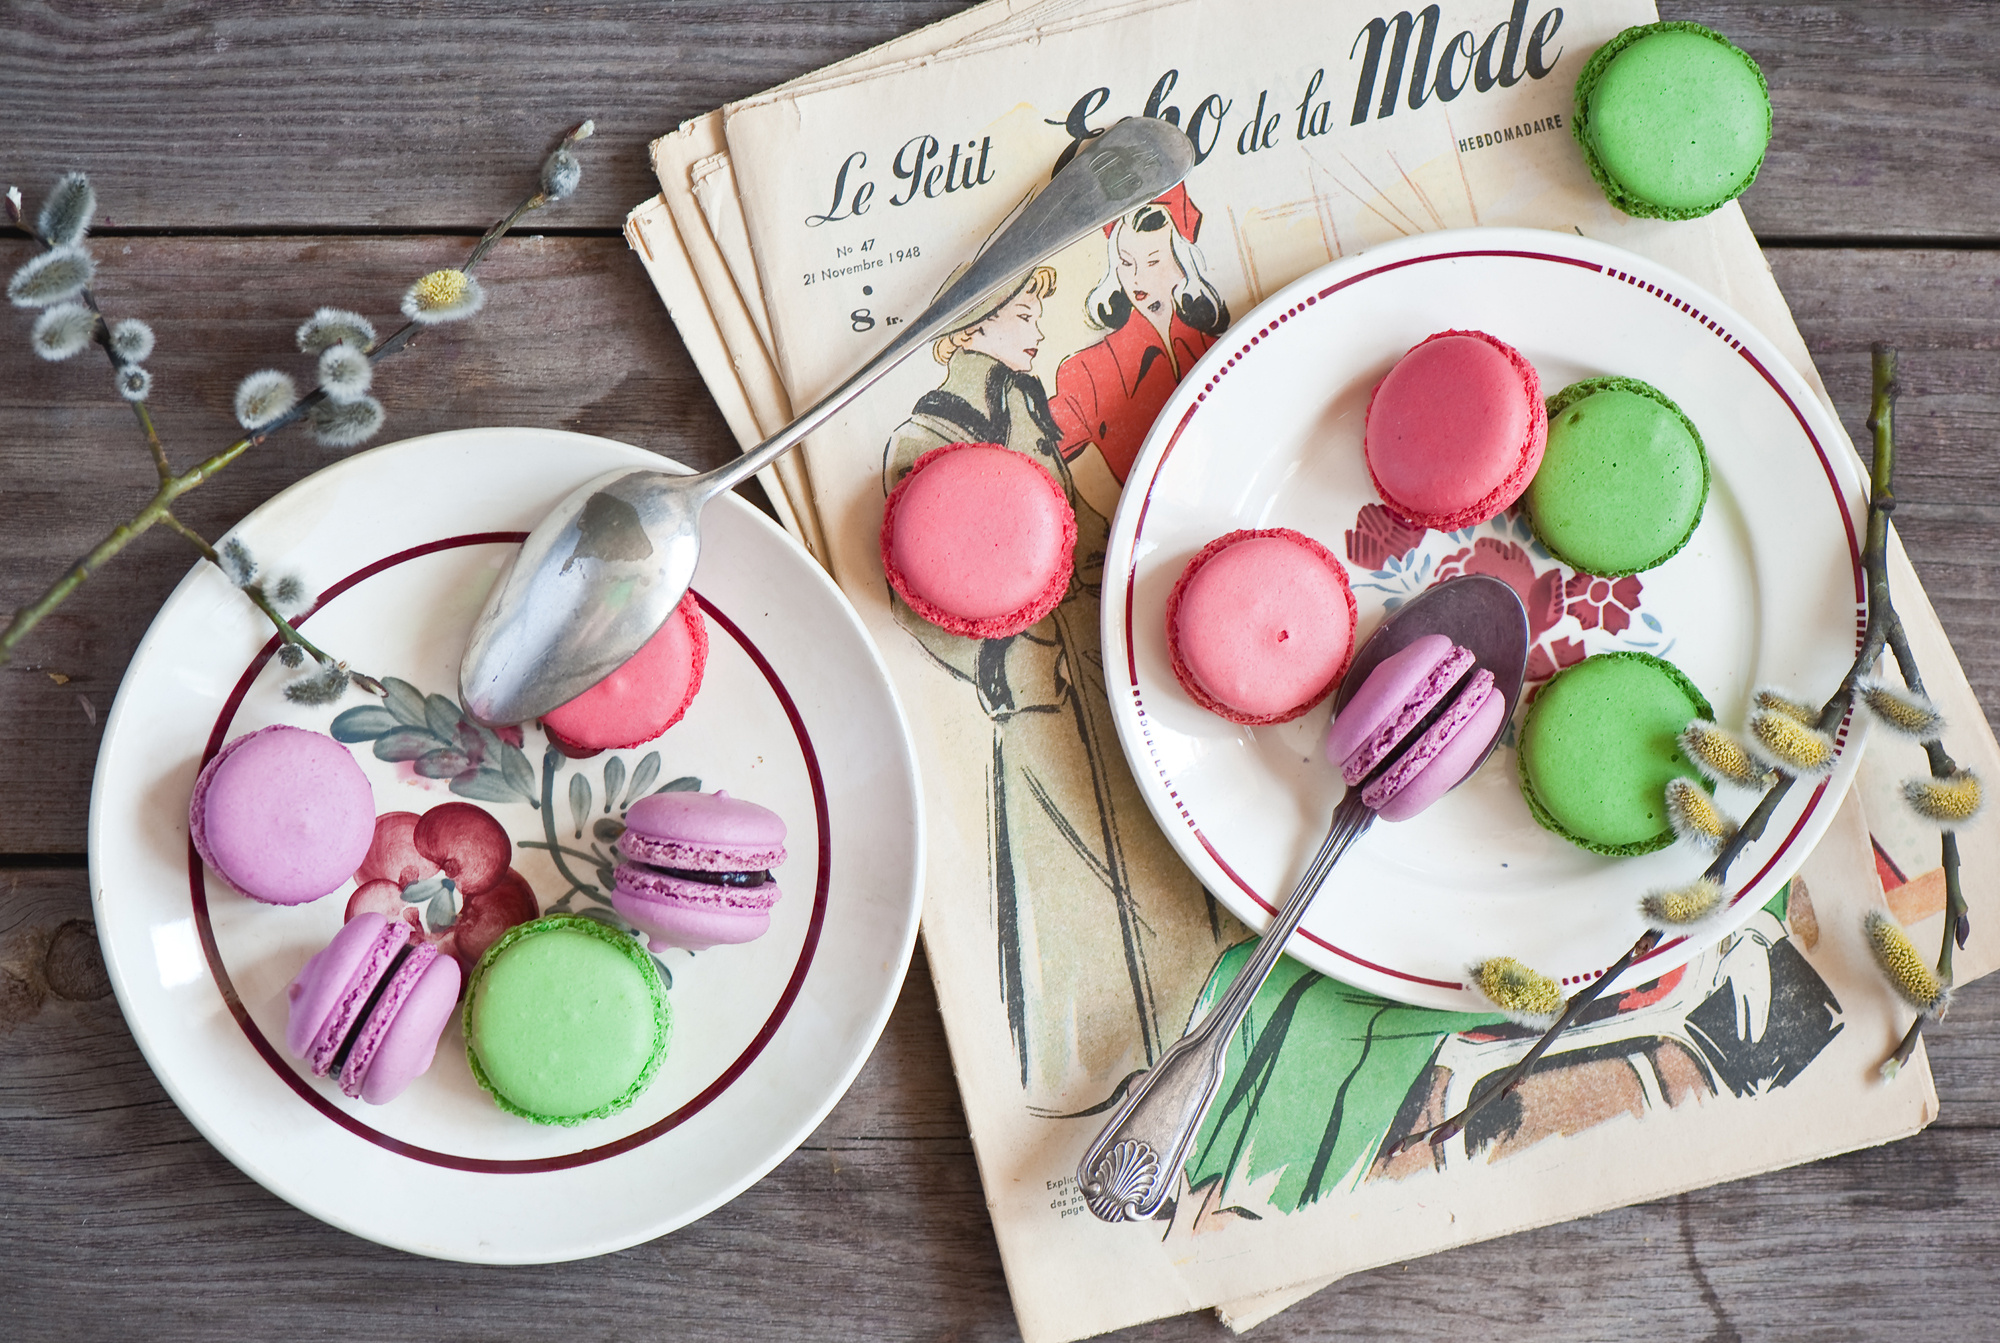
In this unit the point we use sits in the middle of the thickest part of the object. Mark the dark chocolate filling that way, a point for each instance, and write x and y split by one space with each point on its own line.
368 1010
708 878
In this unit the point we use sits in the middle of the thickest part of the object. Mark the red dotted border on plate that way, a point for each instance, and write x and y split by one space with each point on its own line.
1242 353
198 889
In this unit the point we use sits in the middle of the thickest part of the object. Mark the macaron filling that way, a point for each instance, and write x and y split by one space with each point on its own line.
369 1007
399 1032
694 869
1673 119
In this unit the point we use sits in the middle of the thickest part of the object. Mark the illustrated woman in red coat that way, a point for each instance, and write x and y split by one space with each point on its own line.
1160 313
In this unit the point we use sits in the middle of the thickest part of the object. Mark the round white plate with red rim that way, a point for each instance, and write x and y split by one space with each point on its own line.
401 545
1266 432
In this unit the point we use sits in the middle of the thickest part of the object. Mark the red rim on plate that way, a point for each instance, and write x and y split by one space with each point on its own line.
1248 344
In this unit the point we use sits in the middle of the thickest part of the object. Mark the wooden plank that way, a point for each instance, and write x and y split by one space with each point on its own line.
242 116
875 1228
572 337
1937 307
1884 115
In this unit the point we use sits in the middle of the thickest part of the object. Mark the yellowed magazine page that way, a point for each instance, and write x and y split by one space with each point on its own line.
731 303
1067 941
650 232
713 184
732 321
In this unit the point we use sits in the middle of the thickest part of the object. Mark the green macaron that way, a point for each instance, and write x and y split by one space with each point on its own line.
1622 480
1673 118
565 1020
1599 745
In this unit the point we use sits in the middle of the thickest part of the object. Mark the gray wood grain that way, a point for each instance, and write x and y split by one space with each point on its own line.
875 1228
253 137
370 116
573 338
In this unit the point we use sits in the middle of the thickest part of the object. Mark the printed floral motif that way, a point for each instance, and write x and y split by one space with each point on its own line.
1541 594
1402 561
1380 536
1545 660
1602 602
440 740
445 873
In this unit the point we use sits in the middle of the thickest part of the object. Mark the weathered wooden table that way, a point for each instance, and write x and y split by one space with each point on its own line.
252 162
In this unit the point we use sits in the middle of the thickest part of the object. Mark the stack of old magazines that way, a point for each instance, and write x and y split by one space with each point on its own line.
796 229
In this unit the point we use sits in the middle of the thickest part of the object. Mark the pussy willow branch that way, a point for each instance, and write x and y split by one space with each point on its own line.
1884 627
158 509
1882 423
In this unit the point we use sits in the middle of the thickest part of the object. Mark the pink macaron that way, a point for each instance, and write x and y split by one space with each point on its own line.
371 1006
1260 625
1394 740
978 540
1455 431
644 697
695 869
283 815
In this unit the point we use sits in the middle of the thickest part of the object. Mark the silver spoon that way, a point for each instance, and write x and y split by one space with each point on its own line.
1129 1168
602 572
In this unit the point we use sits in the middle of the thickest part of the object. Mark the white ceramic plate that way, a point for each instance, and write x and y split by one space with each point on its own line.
1266 432
401 545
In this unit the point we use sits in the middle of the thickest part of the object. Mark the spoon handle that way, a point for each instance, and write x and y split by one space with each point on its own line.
1136 160
1128 1170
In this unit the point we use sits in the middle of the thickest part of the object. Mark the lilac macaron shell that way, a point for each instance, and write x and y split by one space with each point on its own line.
692 914
1442 756
1428 694
396 1044
703 832
1381 695
331 990
282 815
693 927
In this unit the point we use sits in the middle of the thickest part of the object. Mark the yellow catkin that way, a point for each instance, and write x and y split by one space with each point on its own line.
1676 908
1950 801
1912 977
441 289
1790 745
1694 815
1779 702
1522 992
1721 756
1902 711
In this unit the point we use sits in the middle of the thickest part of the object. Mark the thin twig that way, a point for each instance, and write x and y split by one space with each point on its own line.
287 631
1884 627
172 486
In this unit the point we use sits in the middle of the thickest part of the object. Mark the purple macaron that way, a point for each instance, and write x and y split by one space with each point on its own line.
371 1007
282 815
1371 737
696 869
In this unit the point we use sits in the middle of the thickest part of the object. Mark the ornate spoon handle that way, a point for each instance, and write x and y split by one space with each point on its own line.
1127 1170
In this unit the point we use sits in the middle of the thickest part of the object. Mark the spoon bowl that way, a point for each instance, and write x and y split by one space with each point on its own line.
1129 1168
602 572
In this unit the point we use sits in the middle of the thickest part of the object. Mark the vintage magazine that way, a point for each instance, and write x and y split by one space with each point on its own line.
1067 942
